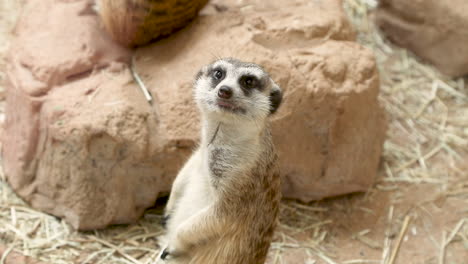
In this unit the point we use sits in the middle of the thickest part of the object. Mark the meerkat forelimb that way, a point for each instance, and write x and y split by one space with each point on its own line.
225 201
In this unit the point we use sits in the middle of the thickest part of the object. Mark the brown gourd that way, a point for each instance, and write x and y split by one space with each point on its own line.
137 22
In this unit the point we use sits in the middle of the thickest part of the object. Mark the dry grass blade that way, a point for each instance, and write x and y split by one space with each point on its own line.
6 253
443 245
447 239
367 241
139 81
117 249
455 231
400 239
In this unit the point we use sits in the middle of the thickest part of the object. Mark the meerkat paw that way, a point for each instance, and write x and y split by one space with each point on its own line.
162 241
164 254
170 256
173 250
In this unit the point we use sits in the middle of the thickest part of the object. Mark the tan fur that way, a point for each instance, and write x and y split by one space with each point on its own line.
224 202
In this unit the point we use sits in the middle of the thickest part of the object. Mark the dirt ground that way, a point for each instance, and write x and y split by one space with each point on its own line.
417 212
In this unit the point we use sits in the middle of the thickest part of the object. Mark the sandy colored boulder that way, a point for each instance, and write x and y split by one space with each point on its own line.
330 129
435 30
81 142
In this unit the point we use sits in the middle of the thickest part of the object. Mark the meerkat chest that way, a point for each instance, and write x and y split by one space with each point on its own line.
225 160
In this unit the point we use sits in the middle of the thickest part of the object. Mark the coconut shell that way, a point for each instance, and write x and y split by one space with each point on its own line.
137 22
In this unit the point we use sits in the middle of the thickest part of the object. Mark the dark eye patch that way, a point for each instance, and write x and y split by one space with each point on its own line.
249 82
217 75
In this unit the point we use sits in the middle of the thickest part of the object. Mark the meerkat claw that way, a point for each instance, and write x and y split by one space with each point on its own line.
164 254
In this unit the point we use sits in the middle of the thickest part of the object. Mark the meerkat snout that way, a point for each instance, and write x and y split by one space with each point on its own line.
230 88
225 92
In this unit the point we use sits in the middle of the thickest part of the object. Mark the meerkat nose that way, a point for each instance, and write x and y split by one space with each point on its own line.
225 92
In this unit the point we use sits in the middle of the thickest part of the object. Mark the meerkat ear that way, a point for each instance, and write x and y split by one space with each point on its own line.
276 96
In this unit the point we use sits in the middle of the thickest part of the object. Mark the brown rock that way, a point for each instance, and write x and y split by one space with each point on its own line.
80 140
433 29
334 110
330 129
82 143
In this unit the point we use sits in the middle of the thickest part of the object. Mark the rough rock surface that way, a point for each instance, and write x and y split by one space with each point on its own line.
330 129
82 143
433 29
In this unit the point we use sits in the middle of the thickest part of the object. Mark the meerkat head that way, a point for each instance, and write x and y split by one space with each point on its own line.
236 89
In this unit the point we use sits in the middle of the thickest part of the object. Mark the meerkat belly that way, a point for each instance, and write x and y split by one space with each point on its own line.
197 194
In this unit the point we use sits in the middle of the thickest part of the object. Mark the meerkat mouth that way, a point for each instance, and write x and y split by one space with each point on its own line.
229 106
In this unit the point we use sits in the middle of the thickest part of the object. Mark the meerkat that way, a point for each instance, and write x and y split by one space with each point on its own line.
224 202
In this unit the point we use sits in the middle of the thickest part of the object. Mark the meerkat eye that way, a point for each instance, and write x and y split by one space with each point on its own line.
218 74
249 82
